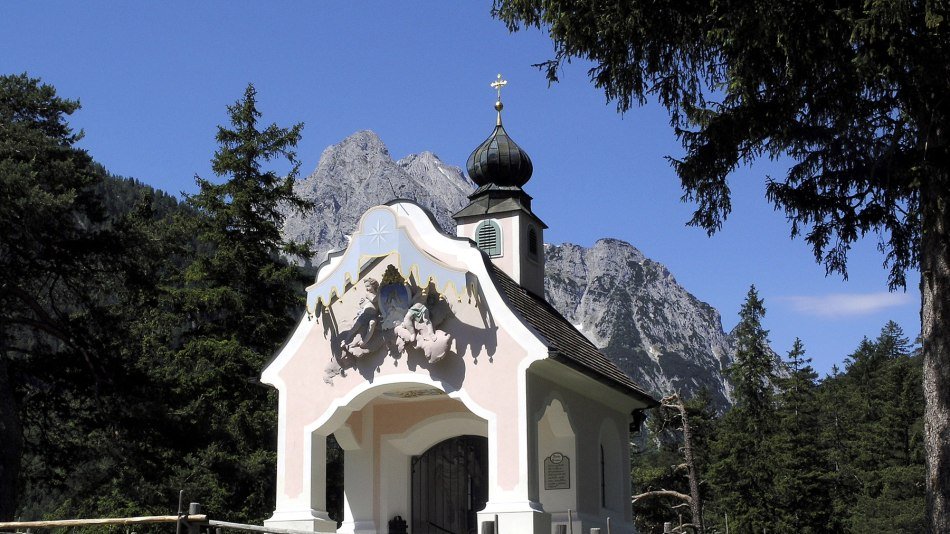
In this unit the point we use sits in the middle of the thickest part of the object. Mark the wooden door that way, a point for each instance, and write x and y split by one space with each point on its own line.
449 485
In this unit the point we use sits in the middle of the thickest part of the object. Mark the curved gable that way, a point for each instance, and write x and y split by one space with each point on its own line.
403 299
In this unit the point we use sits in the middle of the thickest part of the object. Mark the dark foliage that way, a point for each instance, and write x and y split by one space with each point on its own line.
851 93
743 470
69 277
135 328
844 454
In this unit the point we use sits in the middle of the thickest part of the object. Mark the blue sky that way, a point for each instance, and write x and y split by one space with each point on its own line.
154 80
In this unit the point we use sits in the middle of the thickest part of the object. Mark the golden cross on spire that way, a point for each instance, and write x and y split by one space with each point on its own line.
497 85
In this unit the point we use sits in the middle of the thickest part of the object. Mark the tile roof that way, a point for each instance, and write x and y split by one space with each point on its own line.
566 344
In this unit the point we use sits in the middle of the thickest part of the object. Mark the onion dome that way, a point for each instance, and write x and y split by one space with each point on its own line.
499 160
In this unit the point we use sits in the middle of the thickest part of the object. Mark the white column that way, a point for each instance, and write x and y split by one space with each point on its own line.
306 510
514 435
359 476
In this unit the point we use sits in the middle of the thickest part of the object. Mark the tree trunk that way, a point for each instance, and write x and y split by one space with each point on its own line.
695 505
935 334
675 402
10 444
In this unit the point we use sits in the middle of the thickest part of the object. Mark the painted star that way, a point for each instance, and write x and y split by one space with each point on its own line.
379 232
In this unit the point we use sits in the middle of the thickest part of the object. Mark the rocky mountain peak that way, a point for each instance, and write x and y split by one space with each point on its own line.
363 141
442 180
627 304
358 173
424 161
635 311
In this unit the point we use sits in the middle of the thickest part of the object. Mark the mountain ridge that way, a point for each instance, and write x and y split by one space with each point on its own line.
359 173
628 305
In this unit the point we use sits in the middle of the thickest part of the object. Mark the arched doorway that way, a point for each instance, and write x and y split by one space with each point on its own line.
449 485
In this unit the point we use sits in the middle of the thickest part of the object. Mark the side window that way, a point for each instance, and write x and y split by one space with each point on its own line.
488 237
532 242
611 470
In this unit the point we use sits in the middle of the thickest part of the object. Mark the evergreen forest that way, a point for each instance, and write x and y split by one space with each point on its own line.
134 326
795 453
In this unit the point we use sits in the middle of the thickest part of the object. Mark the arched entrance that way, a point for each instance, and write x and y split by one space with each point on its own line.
449 485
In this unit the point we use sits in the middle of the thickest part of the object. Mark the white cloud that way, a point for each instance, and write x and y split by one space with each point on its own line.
847 304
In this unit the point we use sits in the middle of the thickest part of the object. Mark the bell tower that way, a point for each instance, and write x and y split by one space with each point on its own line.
499 217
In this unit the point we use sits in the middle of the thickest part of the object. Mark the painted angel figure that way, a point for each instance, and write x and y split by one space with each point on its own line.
359 340
418 327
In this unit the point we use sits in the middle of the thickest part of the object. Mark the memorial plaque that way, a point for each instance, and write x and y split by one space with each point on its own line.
557 472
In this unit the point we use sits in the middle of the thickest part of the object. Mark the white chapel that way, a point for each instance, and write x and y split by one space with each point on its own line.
463 401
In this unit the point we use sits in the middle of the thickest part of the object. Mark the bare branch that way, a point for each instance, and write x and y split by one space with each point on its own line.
661 493
682 528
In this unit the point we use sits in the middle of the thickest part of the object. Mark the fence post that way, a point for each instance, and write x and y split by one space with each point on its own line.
194 509
181 503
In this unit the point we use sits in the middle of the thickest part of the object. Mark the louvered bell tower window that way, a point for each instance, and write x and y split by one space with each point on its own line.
532 242
488 237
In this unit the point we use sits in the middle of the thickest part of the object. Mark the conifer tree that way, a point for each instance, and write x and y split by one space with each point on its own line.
802 499
834 427
753 371
242 298
886 441
742 471
852 93
69 284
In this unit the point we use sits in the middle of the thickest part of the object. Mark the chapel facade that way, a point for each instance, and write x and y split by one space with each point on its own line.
463 401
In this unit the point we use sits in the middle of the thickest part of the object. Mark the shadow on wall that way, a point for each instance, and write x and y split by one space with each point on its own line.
430 335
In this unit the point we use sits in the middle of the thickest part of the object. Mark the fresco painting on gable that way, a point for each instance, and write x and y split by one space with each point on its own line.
393 318
386 305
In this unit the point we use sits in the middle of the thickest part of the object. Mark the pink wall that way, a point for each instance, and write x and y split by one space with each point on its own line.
486 371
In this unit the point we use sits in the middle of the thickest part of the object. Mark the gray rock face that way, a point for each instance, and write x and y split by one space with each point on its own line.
634 310
357 174
628 305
